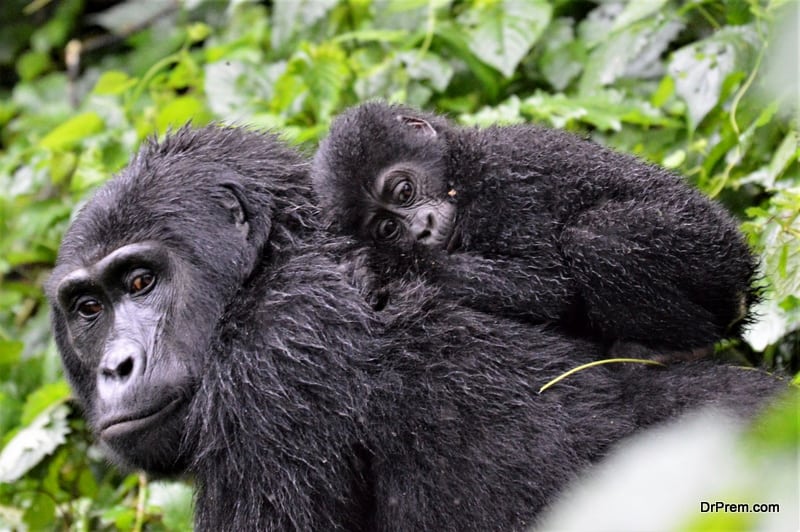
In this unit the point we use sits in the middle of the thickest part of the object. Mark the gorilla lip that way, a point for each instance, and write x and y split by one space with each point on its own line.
133 421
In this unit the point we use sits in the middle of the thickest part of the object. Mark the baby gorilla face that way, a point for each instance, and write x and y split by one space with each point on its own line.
406 205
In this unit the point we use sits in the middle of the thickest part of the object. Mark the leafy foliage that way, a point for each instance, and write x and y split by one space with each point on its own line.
698 86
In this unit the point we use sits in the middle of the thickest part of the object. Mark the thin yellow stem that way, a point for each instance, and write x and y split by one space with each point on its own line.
598 363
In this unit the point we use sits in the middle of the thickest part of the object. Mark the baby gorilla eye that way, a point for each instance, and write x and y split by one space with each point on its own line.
89 308
403 192
141 282
387 229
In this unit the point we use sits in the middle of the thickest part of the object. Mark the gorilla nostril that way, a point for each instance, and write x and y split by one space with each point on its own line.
431 220
423 235
122 371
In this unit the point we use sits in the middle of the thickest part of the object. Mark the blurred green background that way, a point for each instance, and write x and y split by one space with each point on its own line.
705 87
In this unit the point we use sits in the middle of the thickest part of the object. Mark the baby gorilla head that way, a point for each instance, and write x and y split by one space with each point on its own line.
380 175
404 203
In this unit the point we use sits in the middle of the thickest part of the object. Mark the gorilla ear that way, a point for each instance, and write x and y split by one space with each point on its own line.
235 205
419 124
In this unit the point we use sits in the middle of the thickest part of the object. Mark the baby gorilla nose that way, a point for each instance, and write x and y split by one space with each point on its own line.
422 226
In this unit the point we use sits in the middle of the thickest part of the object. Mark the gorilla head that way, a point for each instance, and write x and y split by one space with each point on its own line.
145 272
386 182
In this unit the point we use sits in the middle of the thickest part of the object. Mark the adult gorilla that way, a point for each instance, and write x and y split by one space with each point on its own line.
208 327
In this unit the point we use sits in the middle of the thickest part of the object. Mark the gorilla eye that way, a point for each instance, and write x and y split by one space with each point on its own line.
403 192
387 229
89 308
141 282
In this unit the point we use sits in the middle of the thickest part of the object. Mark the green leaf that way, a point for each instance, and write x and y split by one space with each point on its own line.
564 56
32 64
73 131
502 32
174 500
506 113
700 69
43 398
40 515
122 517
786 153
31 444
454 38
674 159
605 110
10 350
429 67
634 52
635 11
180 111
113 82
666 88
288 18
198 32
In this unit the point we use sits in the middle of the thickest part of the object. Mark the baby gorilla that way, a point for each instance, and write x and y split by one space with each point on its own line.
537 224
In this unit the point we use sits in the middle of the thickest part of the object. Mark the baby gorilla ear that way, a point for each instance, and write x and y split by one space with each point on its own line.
233 202
419 124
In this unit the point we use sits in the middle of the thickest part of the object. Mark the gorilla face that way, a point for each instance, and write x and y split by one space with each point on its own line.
120 321
409 204
144 275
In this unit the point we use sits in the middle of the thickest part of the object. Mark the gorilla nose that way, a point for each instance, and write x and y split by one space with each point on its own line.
120 367
423 225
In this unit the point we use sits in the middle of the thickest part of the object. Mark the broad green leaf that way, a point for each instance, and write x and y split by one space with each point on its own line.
32 64
701 68
605 110
674 159
636 10
10 350
9 412
429 67
40 515
598 24
455 40
500 33
564 56
113 82
326 76
45 397
666 88
62 164
119 18
634 52
786 153
174 499
73 131
290 17
123 517
506 113
779 426
198 31
31 444
180 111
313 81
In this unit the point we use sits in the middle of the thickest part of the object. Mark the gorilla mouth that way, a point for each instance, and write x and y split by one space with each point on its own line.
136 421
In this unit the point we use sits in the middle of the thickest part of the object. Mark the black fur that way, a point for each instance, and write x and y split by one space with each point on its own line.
549 227
303 409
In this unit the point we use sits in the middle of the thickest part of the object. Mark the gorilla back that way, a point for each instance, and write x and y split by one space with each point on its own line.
209 328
